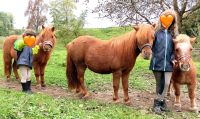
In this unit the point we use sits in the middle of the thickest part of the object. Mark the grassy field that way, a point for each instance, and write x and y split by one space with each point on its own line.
17 105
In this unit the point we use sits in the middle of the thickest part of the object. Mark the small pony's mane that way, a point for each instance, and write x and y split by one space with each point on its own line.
182 38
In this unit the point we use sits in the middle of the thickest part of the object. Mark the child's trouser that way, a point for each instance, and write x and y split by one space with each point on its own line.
25 73
162 83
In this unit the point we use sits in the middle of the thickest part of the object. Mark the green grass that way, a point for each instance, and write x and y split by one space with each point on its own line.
18 105
106 33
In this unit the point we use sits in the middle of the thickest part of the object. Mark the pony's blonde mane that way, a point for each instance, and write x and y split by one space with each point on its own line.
182 38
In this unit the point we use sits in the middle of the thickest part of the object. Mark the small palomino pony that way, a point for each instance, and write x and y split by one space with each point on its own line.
184 70
116 56
47 40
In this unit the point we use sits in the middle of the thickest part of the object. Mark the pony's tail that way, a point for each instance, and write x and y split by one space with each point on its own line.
71 73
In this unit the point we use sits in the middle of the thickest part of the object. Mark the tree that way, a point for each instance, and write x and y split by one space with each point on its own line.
6 23
137 11
67 24
36 12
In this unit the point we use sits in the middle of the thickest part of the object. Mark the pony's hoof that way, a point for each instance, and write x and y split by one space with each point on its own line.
86 96
78 91
116 101
178 107
38 86
8 80
43 88
43 85
128 103
194 109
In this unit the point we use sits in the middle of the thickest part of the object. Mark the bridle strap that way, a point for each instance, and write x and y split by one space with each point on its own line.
47 43
145 45
184 58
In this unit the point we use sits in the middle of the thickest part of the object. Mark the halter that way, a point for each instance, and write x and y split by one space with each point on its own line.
184 58
145 45
47 43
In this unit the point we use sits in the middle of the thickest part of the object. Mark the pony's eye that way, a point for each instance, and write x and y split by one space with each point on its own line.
176 49
191 49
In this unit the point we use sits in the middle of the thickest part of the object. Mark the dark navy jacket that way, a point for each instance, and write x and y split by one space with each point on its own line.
25 57
162 49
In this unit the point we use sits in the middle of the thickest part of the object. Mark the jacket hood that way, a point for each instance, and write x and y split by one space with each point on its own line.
174 27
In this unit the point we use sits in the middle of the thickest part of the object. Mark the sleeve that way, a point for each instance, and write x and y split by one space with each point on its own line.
35 50
19 45
155 38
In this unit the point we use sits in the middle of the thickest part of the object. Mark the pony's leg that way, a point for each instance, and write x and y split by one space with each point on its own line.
191 93
37 74
42 69
15 70
177 96
7 67
169 88
80 76
78 89
116 80
125 77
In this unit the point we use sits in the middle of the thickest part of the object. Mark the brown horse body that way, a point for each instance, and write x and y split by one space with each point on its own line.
8 54
116 56
184 70
46 40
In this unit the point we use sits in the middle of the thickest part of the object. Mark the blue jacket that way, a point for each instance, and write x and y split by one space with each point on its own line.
25 57
162 51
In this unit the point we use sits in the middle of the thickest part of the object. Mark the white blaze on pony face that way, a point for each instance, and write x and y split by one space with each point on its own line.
183 51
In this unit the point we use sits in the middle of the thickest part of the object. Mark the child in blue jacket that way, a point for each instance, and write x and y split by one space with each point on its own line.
162 57
25 58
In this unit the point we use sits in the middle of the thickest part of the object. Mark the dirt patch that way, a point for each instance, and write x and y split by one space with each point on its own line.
139 99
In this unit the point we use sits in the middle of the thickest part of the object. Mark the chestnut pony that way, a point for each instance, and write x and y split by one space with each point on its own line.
116 56
184 70
46 40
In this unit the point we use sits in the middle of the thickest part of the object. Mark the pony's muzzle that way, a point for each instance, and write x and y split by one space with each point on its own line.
47 46
146 54
184 66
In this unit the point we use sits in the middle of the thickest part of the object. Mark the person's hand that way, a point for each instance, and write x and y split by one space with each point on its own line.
174 62
35 49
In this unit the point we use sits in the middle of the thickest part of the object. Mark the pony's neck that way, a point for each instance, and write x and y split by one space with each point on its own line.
126 45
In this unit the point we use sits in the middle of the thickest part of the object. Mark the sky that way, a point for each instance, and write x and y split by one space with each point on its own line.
17 8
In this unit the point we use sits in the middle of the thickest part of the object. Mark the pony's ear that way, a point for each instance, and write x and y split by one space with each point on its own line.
154 25
53 29
174 40
43 27
193 40
136 27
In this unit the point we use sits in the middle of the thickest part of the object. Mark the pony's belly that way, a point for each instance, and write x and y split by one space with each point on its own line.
99 69
182 80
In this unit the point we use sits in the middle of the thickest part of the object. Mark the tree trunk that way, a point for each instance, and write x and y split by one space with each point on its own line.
179 22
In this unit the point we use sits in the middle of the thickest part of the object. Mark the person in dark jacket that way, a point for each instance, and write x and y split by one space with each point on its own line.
25 50
162 57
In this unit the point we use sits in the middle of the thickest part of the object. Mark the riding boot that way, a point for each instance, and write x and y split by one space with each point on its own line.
157 106
29 87
164 106
24 87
